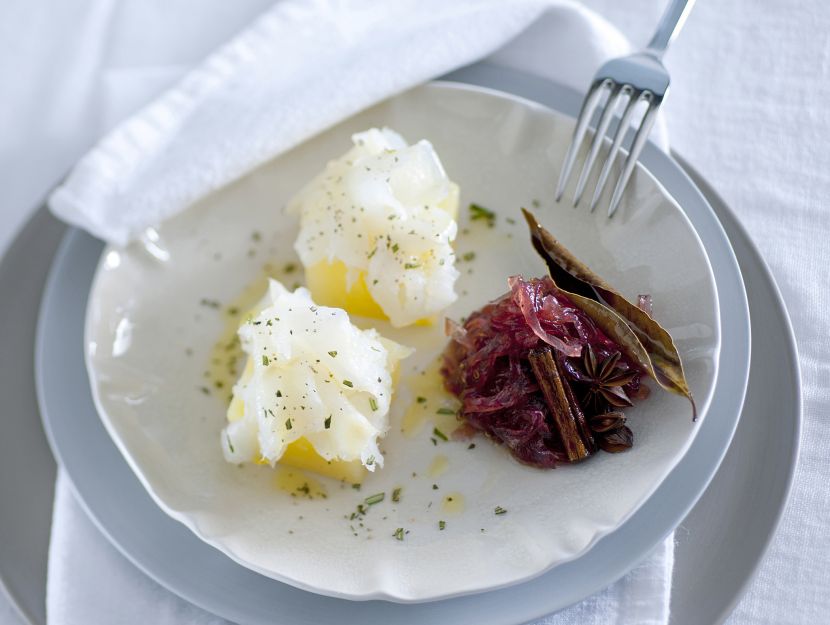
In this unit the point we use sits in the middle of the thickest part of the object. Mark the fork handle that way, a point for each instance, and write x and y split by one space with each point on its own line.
670 24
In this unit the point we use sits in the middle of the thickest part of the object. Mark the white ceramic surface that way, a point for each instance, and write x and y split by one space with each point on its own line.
144 315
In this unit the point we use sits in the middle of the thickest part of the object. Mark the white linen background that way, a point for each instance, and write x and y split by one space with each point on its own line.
750 83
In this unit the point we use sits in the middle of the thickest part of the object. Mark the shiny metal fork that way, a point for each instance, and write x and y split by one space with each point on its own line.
633 79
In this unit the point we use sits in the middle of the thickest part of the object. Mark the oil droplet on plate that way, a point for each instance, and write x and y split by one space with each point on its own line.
431 403
438 466
453 503
298 484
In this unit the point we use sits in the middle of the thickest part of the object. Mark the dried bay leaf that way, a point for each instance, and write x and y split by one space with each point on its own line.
652 347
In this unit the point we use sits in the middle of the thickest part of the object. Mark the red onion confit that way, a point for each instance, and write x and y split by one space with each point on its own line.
486 365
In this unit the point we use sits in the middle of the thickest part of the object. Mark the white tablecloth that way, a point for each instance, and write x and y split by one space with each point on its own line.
747 109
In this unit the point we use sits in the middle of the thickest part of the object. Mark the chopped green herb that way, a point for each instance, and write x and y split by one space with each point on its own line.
230 444
348 383
440 434
279 393
396 495
395 248
265 361
435 487
398 533
288 425
500 510
468 256
327 422
370 461
210 303
421 400
434 440
478 212
442 525
289 267
332 353
256 235
233 311
510 220
373 404
536 203
445 411
376 498
356 486
411 265
471 446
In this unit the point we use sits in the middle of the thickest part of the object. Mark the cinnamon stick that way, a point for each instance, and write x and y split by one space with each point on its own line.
566 414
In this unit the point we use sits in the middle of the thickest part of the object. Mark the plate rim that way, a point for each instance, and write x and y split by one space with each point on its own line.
379 590
798 424
687 182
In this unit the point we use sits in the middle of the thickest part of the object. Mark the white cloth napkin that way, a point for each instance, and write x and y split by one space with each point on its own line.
300 68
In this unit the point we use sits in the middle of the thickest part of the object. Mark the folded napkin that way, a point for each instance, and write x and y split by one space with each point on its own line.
301 67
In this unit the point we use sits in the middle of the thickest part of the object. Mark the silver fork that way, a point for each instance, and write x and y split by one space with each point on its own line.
636 78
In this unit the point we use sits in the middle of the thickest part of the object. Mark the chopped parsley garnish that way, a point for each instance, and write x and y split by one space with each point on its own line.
500 510
332 353
395 248
478 212
421 400
327 422
442 525
279 393
348 383
230 444
445 411
370 461
373 404
265 361
288 425
468 256
376 498
289 267
396 495
435 487
356 486
440 434
471 446
398 533
411 265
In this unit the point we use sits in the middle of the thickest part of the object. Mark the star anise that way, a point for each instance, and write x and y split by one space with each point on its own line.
605 381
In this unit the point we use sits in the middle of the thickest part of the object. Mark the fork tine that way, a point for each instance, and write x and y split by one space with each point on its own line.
585 114
607 115
622 129
636 147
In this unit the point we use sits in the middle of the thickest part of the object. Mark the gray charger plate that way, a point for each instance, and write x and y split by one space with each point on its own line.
724 536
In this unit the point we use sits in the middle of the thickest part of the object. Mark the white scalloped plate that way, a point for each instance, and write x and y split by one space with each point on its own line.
149 339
